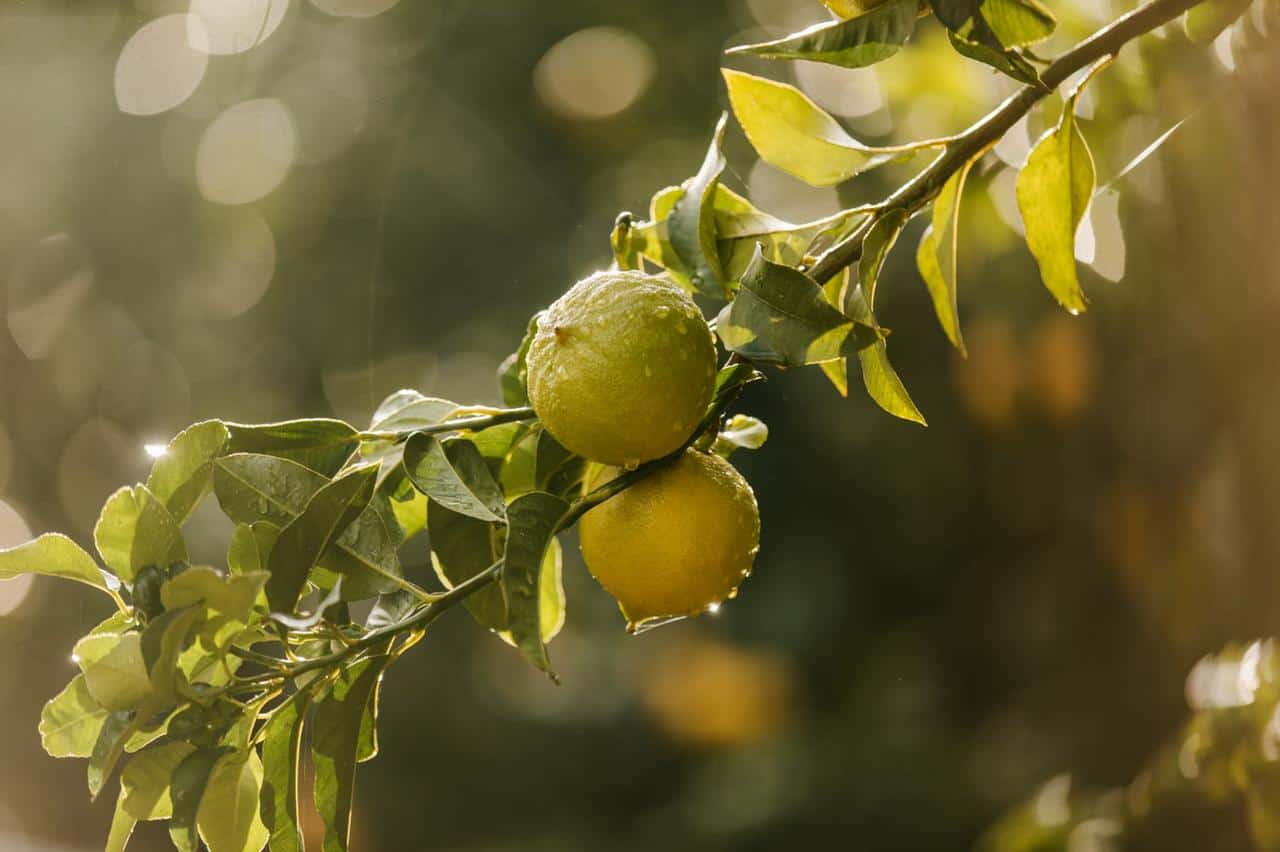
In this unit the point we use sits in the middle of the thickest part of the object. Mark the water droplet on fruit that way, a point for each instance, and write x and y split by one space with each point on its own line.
661 311
713 608
631 464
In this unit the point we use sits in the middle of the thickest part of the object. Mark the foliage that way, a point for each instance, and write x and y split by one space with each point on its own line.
211 686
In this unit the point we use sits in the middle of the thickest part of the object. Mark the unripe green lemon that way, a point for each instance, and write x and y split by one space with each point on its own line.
675 543
622 367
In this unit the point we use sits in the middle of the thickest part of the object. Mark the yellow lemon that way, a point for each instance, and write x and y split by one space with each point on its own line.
675 543
852 8
621 368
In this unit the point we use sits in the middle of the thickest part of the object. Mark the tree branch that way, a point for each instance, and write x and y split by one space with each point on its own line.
988 130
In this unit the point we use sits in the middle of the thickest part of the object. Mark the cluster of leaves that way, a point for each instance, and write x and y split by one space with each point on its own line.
203 681
1227 754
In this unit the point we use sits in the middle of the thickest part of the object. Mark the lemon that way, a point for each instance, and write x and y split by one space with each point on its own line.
852 8
621 368
675 543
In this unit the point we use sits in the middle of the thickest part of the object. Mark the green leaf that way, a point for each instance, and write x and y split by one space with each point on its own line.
937 255
854 43
1053 192
1206 21
794 134
135 530
122 826
117 728
71 721
740 432
228 817
556 470
54 555
305 539
878 375
144 783
365 554
780 316
232 595
1006 61
742 228
453 474
281 756
335 743
513 373
406 410
321 444
181 477
692 228
253 487
250 546
114 670
876 247
532 520
163 642
391 609
461 547
187 788
997 24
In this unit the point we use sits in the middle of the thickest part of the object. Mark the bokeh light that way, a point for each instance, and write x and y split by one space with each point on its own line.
594 73
233 264
354 8
246 151
225 27
46 285
161 65
329 104
13 532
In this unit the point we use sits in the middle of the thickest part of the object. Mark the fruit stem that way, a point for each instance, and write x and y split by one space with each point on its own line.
478 421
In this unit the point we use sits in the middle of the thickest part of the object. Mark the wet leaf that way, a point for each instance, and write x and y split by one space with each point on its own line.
532 520
692 228
453 474
136 530
320 444
181 477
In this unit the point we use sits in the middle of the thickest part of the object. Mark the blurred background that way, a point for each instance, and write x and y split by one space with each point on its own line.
264 209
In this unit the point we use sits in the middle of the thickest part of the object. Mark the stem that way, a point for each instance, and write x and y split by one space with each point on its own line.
988 130
478 421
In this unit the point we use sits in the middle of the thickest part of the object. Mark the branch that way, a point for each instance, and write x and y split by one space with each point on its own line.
988 130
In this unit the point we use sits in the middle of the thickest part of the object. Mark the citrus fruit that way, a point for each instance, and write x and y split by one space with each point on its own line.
852 8
675 543
621 368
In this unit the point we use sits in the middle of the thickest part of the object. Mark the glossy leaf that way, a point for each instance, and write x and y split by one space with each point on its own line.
281 755
187 789
461 547
1053 191
391 609
305 539
232 595
780 316
860 41
532 520
71 721
107 749
692 228
335 741
144 782
162 643
228 817
135 530
876 247
453 474
320 444
937 256
996 23
365 553
1005 60
878 376
53 555
250 547
406 410
794 134
181 477
254 487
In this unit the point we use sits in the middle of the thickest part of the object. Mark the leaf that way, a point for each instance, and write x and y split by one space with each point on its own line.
187 788
281 757
453 474
162 643
250 546
71 721
556 470
881 380
532 520
790 245
792 133
320 444
53 555
144 783
181 477
122 826
391 609
1006 61
692 227
461 547
232 595
780 316
513 372
406 410
254 487
116 730
1205 21
135 530
228 816
854 43
876 247
740 432
114 670
366 553
936 257
335 740
1053 192
997 24
305 539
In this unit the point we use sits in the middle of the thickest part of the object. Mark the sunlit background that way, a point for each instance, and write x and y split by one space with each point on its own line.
261 209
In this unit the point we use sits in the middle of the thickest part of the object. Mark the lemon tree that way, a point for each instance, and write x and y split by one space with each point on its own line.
202 690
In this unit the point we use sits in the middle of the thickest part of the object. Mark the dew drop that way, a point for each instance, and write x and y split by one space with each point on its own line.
631 464
661 311
713 608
